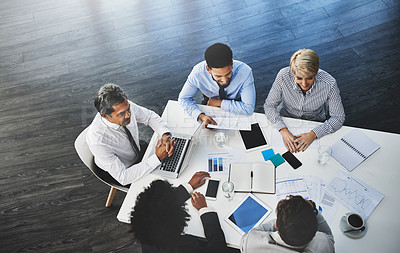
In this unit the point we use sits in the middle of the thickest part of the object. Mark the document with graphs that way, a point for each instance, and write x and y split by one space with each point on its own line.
354 194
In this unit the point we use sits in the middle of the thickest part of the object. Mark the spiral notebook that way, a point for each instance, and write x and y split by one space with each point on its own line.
353 149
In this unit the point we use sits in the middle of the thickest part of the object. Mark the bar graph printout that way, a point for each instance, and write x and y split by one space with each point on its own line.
220 161
291 186
354 194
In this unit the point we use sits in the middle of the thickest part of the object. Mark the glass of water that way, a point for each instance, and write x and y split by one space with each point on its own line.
229 190
324 152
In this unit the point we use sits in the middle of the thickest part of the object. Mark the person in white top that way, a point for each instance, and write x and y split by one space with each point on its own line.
113 136
298 227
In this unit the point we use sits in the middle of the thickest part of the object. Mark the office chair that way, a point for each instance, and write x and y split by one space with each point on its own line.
87 158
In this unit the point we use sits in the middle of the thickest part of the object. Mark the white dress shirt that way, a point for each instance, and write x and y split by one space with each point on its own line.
112 149
309 106
241 87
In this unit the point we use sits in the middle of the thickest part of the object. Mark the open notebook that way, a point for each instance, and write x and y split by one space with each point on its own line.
353 149
253 177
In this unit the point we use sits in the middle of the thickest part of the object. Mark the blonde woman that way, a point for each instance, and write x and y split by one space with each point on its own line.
304 91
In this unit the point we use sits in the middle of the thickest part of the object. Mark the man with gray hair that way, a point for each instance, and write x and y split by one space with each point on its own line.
113 136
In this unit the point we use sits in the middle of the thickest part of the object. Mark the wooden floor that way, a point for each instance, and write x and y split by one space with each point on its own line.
55 54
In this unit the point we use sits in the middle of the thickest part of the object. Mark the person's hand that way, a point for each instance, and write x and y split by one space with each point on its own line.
161 151
198 179
304 140
215 102
198 200
289 140
169 143
206 119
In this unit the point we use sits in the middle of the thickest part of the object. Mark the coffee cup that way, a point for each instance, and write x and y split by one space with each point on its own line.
354 221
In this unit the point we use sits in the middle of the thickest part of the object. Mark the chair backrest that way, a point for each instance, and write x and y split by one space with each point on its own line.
82 148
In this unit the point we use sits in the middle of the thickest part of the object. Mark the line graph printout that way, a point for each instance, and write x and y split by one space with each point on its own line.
354 194
291 186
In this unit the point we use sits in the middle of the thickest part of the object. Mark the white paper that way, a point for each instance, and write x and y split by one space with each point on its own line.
354 194
314 188
328 205
228 120
325 202
291 186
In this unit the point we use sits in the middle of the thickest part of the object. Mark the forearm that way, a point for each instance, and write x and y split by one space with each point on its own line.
336 111
247 101
128 175
329 126
237 107
214 234
272 114
190 107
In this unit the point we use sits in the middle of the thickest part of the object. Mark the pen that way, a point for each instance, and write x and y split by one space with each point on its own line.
251 175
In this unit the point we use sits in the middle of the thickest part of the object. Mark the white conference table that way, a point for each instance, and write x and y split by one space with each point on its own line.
381 171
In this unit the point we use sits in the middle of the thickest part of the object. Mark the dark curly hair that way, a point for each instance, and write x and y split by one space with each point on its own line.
296 220
159 217
218 55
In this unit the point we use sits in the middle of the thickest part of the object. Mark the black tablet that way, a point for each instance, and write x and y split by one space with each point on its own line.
253 139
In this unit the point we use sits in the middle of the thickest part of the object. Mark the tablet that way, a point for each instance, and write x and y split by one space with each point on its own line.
249 213
253 139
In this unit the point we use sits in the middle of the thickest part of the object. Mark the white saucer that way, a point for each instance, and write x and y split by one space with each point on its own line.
352 234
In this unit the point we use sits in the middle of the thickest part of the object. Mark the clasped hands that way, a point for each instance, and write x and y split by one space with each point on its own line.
297 143
165 146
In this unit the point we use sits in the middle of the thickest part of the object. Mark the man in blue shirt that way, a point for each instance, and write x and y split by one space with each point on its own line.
225 83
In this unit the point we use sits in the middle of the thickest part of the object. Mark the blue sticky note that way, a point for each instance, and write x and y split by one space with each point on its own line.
277 160
267 154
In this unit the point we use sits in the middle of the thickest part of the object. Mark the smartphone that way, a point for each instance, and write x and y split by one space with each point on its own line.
212 188
292 160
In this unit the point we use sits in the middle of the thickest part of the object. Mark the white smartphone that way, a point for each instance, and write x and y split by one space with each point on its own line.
212 188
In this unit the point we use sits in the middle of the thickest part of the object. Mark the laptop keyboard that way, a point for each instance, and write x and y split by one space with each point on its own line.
171 163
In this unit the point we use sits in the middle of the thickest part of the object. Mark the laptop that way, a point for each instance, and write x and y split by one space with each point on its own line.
173 166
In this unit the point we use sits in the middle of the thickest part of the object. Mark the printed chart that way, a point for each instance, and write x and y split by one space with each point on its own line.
291 186
353 193
219 161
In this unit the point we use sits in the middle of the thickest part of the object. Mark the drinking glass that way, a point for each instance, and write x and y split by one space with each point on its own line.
324 152
228 189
